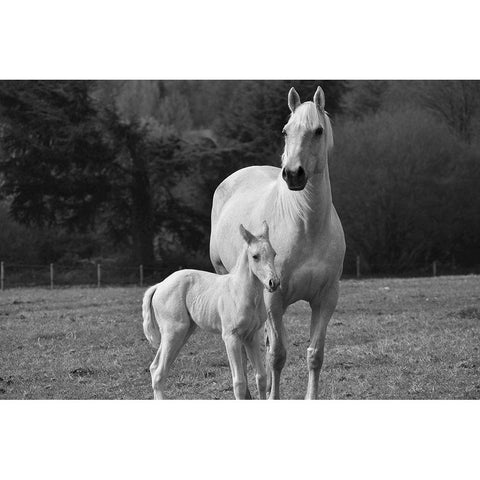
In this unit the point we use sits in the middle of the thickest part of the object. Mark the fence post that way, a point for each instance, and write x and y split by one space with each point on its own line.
141 275
358 266
2 277
51 276
434 268
99 275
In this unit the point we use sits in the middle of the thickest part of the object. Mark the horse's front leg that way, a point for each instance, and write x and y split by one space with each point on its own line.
234 347
276 353
322 310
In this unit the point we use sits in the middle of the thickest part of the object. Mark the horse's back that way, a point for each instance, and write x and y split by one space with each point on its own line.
249 179
233 199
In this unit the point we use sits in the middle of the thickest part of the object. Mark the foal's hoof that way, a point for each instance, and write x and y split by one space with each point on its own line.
248 395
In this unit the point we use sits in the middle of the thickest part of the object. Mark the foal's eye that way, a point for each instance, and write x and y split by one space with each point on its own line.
256 257
319 131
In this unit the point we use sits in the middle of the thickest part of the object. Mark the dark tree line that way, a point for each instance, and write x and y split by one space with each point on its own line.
127 169
405 171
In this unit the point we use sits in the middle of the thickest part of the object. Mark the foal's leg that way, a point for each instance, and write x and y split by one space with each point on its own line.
277 354
248 395
256 354
171 344
322 311
234 348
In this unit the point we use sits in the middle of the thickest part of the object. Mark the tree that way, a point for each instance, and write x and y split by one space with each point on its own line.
258 111
364 97
56 162
404 187
456 102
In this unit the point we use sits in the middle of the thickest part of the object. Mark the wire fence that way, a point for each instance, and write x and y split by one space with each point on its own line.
363 269
109 274
57 275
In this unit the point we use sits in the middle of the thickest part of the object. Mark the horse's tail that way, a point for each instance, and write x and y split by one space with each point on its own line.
150 325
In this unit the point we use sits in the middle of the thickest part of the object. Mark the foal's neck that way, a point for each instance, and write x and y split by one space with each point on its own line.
247 285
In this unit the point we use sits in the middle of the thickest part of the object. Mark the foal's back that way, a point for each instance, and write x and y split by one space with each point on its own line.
190 296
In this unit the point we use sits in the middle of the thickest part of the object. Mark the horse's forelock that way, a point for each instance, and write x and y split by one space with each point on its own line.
306 115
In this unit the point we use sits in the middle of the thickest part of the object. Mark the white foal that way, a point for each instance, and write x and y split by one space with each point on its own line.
230 304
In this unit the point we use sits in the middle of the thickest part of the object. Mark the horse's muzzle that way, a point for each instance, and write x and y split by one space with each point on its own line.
295 179
273 284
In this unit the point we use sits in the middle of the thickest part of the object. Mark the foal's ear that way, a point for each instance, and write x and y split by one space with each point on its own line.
319 99
247 236
293 99
265 229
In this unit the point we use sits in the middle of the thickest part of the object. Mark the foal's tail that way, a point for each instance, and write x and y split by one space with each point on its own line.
150 325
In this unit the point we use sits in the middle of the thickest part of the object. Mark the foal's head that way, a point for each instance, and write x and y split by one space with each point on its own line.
261 256
308 138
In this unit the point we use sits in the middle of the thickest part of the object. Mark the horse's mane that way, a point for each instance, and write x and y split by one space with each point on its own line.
307 115
293 206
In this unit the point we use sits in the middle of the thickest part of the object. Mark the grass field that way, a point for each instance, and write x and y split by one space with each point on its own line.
389 338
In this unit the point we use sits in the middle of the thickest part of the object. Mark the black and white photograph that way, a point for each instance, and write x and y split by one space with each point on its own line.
202 203
240 239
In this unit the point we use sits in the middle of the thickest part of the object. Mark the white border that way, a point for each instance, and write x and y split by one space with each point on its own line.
251 39
214 39
207 439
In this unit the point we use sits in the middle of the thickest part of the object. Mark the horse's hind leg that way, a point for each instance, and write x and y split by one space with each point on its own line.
172 343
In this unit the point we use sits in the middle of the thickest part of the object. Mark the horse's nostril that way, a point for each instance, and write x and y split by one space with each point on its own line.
271 283
300 173
284 174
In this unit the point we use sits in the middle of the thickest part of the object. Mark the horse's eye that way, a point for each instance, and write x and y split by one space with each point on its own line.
256 257
319 131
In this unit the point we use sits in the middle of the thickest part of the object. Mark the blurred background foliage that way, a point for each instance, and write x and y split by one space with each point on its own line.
125 171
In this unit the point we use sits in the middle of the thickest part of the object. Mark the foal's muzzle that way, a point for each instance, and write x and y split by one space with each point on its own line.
295 179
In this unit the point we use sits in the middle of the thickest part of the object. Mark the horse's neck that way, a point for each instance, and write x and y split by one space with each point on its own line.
247 286
308 209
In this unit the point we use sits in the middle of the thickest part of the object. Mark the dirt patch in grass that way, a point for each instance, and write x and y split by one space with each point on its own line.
468 312
82 372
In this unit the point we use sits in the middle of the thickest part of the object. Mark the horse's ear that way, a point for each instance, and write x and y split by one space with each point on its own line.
247 236
319 99
293 99
265 229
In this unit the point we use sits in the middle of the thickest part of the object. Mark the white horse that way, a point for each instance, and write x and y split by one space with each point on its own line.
228 304
296 200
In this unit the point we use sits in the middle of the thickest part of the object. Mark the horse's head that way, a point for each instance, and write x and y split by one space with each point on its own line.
261 256
308 138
